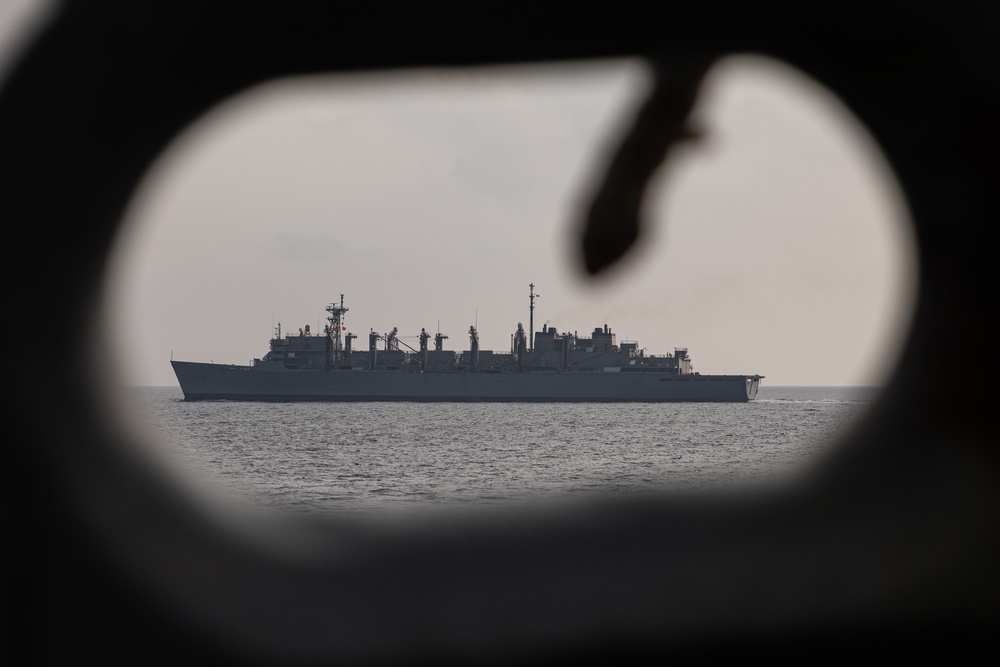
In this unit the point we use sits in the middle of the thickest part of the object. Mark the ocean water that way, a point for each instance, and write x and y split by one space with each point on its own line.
382 457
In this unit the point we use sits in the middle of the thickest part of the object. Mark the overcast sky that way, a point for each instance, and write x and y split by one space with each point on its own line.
431 198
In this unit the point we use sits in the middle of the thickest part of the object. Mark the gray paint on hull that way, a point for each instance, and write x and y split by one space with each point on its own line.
201 381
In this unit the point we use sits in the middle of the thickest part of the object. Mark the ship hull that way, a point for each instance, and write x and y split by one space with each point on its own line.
205 381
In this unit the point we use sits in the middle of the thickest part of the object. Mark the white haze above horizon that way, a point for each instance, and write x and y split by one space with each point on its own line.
778 245
431 199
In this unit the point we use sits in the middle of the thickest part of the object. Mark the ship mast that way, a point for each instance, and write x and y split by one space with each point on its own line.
336 316
531 316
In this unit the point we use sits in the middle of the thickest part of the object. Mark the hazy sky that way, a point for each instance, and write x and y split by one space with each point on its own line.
431 198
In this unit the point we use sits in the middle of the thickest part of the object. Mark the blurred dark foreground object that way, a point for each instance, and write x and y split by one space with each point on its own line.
892 546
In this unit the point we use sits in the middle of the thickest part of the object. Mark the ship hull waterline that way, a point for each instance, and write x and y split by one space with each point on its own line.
209 381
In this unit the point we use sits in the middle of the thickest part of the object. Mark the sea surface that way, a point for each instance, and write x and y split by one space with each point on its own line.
376 457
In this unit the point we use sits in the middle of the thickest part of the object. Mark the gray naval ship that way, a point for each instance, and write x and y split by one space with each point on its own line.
540 366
